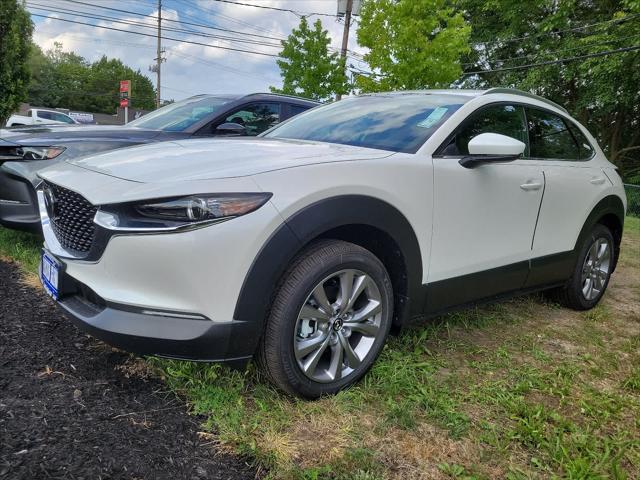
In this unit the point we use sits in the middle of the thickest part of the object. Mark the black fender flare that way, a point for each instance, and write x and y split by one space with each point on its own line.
609 205
303 227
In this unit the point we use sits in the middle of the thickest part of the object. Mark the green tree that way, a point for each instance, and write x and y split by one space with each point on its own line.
67 80
59 78
307 68
412 44
104 79
602 92
15 40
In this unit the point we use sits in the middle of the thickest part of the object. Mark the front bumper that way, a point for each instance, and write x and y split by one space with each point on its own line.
168 294
142 334
147 332
18 203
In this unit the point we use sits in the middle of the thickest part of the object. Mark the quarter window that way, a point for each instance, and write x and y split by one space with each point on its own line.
296 109
256 118
585 150
503 119
550 137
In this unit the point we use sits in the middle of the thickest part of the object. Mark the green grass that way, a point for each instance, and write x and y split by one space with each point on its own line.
522 389
21 247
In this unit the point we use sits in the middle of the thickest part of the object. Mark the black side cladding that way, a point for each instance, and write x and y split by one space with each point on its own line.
311 223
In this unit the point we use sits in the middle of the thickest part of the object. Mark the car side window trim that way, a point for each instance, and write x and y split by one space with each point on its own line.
564 121
207 128
570 125
437 153
573 128
568 122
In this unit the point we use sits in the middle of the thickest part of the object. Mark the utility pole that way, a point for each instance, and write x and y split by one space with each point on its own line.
159 53
345 38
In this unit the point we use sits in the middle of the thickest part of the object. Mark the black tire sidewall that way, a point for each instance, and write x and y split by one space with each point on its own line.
355 258
575 288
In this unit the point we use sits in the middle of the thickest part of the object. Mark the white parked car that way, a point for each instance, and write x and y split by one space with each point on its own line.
304 247
39 116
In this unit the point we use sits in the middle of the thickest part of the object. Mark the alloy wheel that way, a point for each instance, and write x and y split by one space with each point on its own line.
595 269
338 325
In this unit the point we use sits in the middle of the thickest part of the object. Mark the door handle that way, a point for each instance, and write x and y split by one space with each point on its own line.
531 186
597 180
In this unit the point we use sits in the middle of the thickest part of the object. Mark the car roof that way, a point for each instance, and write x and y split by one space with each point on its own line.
470 93
53 110
259 96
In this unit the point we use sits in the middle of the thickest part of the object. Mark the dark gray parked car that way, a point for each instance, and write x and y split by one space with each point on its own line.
26 150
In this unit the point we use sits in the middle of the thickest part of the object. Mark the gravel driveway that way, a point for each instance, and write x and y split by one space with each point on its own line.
68 408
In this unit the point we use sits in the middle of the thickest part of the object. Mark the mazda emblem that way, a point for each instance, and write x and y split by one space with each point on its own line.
50 200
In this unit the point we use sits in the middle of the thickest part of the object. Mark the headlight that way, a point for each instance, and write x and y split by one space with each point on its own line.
39 153
199 208
179 213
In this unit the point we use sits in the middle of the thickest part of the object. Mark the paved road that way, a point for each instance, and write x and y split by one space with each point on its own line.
68 408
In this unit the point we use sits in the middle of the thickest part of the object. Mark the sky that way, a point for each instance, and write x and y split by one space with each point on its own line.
189 69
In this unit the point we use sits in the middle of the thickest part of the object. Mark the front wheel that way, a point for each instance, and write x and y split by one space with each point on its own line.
329 321
592 271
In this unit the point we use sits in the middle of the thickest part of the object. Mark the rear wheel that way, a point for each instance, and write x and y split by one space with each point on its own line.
592 271
329 320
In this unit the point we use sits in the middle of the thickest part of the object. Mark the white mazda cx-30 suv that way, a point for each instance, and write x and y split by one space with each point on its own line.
304 247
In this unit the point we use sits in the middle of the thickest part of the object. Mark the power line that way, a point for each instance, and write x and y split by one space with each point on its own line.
554 62
172 51
288 10
274 35
556 32
97 16
155 36
538 54
169 19
209 63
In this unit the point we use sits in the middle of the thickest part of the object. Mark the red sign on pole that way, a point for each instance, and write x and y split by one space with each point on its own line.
125 86
124 102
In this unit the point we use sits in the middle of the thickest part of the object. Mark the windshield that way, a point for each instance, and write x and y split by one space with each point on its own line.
179 116
395 122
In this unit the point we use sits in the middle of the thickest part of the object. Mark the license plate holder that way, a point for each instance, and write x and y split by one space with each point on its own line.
50 269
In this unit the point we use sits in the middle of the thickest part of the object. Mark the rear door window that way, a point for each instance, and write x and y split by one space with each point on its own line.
550 137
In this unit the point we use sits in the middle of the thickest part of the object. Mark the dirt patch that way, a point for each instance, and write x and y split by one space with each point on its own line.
71 407
417 454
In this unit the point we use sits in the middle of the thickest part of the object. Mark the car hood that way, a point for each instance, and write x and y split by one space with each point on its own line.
64 134
217 158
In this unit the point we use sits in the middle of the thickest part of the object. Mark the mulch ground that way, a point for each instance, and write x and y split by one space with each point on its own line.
69 410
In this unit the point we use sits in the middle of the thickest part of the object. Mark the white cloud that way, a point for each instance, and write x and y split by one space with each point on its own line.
189 69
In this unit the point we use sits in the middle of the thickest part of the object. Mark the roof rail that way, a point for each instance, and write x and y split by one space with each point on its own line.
514 91
284 95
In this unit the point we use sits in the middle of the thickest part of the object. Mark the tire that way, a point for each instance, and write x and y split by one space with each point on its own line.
576 294
303 350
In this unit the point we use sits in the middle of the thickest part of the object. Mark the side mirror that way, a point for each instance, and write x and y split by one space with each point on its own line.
492 147
230 129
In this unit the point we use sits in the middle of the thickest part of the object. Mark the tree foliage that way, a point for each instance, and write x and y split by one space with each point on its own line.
602 92
67 80
15 41
412 44
307 68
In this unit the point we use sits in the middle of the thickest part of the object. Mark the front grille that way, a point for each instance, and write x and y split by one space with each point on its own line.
71 217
